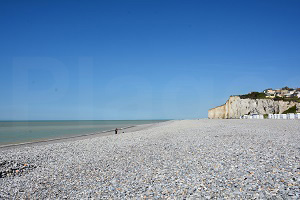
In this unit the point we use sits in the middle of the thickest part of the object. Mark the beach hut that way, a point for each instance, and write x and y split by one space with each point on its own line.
261 116
254 116
297 116
245 116
291 116
283 116
277 116
270 116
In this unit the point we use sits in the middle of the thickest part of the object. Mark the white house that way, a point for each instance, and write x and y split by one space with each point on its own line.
283 92
288 95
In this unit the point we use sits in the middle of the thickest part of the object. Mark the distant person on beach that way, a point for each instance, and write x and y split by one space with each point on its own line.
116 131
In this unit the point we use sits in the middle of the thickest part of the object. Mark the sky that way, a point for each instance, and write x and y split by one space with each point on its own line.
141 59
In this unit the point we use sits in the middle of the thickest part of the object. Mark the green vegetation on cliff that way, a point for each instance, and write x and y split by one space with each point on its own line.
261 95
254 95
294 99
290 110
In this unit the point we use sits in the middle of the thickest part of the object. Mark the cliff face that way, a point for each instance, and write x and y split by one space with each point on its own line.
236 107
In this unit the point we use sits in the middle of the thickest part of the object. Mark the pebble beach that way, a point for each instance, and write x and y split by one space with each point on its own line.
183 159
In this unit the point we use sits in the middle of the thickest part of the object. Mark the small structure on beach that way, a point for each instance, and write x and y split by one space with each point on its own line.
253 116
283 116
273 116
290 116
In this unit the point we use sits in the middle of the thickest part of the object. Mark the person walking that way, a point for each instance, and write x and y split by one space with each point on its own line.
116 131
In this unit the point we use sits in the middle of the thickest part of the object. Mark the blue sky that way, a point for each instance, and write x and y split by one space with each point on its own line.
141 59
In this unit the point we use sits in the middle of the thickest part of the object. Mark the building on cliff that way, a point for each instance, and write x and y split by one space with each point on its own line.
235 107
284 92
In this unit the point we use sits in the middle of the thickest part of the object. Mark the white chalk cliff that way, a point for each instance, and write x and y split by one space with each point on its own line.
236 107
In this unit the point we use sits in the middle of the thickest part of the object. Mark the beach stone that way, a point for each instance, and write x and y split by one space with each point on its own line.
175 159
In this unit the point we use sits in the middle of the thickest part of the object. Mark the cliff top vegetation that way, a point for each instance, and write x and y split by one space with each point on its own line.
254 95
261 95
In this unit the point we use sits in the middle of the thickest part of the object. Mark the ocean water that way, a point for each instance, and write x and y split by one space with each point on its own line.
12 132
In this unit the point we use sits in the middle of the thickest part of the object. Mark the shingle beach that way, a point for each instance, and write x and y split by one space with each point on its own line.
174 159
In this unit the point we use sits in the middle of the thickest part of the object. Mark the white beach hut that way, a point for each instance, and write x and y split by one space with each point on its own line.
291 116
270 116
297 115
283 116
261 116
255 116
277 116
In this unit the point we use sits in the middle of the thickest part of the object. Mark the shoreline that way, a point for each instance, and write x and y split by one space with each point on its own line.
132 128
190 159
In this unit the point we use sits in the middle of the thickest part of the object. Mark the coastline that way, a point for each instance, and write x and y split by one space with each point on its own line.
79 137
188 159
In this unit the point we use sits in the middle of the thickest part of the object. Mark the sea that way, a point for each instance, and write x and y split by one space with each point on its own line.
14 132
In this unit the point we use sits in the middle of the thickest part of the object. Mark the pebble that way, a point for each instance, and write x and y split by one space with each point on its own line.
206 159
